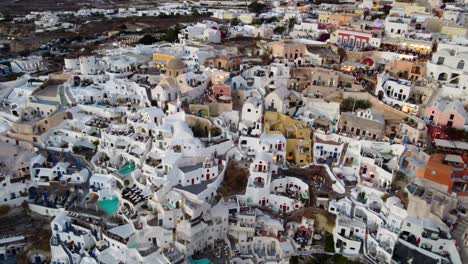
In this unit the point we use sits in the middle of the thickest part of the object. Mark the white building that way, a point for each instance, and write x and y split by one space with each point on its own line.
251 117
265 188
395 92
320 113
448 66
396 27
429 238
204 32
30 64
278 100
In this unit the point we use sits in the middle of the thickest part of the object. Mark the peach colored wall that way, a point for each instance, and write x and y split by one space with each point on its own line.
288 49
441 118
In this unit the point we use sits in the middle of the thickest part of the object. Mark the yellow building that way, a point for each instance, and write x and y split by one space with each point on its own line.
229 15
297 134
410 8
163 58
454 31
445 27
247 18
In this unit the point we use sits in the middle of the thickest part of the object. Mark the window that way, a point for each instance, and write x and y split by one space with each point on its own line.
434 172
451 117
440 60
461 65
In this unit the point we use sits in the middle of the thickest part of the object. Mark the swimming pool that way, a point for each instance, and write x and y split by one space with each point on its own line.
127 169
109 206
200 261
100 106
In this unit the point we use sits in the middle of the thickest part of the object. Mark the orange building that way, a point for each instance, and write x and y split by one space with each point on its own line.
341 19
448 172
225 62
304 9
410 70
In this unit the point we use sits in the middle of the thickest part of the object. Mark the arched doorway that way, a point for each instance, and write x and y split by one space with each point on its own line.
443 77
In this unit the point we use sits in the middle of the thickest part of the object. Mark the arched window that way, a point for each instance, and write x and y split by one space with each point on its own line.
416 70
461 65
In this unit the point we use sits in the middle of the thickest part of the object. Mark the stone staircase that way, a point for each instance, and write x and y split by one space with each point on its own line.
461 227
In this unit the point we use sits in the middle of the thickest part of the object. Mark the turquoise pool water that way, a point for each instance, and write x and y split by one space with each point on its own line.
100 106
109 206
133 245
127 169
200 261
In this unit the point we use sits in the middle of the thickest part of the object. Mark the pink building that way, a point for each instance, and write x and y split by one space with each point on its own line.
447 113
221 90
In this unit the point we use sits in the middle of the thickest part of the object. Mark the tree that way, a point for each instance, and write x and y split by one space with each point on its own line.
24 53
7 17
172 34
235 22
294 260
377 16
279 30
350 104
291 22
47 54
147 40
386 9
75 149
329 243
215 131
256 7
195 12
342 53
270 19
366 13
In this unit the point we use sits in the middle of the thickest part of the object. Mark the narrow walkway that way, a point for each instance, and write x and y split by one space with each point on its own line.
462 226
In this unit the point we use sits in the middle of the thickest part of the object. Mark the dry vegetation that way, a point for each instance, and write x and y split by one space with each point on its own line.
21 7
39 243
324 221
235 180
4 209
